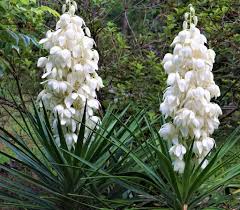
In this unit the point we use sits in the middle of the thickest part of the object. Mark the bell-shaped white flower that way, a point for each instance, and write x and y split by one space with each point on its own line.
177 151
169 132
42 62
70 74
178 165
187 99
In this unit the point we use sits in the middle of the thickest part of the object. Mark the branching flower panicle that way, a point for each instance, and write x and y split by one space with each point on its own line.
187 99
70 73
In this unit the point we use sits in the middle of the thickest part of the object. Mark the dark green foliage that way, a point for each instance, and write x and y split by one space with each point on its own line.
156 183
123 163
21 25
51 177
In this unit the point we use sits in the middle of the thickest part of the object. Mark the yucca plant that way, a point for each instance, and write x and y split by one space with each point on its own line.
52 177
179 166
123 162
157 184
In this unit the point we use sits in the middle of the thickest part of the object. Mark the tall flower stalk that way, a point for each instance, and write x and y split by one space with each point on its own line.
187 99
70 74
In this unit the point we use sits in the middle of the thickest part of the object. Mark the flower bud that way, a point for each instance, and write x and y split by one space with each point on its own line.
75 5
87 31
185 25
72 10
192 10
195 20
64 7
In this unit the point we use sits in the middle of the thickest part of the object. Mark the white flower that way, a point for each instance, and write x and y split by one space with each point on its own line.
214 90
169 67
167 57
169 132
169 106
187 99
64 21
198 147
42 62
177 151
70 73
71 139
59 87
178 166
208 143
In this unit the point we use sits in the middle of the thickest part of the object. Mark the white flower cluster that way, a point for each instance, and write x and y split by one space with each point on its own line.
70 72
187 99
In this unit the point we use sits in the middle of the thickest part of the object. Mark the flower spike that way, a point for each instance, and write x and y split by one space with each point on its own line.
70 74
187 99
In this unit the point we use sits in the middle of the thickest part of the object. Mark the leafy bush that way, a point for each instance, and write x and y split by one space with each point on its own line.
20 27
